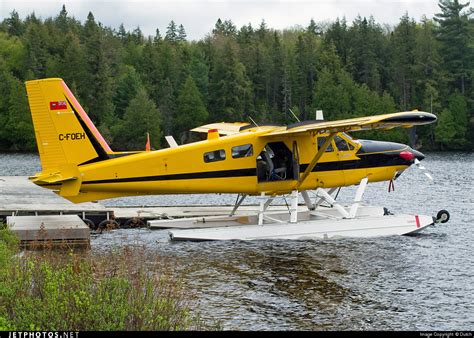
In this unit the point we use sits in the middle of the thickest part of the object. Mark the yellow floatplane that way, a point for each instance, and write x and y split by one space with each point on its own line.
240 158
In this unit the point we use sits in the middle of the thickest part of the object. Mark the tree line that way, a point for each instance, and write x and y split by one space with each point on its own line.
131 84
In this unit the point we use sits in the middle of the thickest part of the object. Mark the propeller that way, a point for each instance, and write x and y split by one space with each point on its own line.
421 167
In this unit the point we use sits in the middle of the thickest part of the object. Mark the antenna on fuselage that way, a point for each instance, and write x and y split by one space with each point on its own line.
296 117
251 119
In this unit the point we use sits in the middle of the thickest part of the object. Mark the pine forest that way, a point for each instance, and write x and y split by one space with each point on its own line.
131 84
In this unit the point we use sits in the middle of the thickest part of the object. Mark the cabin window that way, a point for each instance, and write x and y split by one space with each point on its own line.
321 141
341 144
245 150
213 156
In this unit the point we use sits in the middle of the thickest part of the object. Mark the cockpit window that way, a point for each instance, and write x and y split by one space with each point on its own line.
341 144
321 141
350 140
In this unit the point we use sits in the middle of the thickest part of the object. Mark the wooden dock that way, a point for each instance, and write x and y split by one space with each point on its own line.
30 208
20 197
165 212
44 231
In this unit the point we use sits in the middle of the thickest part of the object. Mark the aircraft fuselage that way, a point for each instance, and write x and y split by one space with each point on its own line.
242 163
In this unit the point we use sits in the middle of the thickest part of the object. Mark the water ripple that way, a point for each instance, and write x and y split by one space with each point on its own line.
421 282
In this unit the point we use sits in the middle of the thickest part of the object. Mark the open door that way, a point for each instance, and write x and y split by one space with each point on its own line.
277 163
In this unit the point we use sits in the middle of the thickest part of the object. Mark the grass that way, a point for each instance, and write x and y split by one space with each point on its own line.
55 291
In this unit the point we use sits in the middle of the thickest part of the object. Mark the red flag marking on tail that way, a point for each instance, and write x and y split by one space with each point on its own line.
57 105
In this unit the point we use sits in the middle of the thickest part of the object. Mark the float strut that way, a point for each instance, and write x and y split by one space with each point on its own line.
325 196
264 204
238 202
307 200
358 197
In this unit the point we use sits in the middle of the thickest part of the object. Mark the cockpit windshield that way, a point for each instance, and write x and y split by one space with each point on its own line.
350 139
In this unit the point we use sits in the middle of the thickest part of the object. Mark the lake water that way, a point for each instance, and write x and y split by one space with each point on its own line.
423 282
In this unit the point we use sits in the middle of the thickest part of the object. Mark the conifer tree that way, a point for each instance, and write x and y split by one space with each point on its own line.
127 88
191 111
141 117
14 24
98 93
229 97
171 32
445 129
456 39
181 33
402 51
62 20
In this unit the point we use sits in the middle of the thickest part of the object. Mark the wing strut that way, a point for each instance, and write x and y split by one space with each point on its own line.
315 160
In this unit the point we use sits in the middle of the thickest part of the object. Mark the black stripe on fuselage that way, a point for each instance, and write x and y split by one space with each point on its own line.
188 176
366 161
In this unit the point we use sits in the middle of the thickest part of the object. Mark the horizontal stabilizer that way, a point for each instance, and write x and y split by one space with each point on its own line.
68 177
51 178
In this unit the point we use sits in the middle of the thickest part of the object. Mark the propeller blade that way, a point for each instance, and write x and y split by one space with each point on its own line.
421 167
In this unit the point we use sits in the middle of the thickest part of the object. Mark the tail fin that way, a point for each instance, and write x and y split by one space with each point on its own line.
65 135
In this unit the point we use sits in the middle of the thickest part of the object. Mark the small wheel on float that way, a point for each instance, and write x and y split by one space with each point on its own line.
442 216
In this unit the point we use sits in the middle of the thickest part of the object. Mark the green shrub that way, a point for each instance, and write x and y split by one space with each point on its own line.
8 247
121 290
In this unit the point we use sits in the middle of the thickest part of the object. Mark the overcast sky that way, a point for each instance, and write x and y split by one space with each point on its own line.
198 17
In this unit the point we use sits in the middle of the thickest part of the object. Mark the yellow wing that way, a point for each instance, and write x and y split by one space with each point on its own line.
385 121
